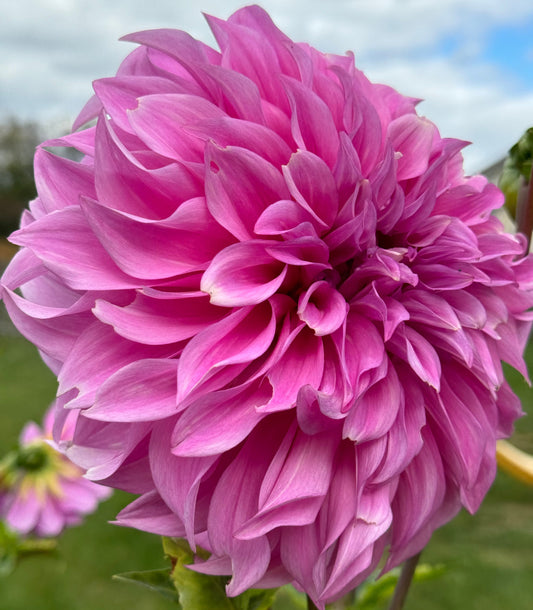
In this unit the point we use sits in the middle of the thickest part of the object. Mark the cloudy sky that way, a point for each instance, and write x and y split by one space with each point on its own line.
470 60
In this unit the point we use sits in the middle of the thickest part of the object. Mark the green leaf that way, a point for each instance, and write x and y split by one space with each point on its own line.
205 592
374 592
156 580
288 598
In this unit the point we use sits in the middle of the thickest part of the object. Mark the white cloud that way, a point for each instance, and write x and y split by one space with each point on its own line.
53 49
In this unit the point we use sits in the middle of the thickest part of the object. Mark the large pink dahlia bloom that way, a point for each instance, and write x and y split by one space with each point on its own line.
41 491
278 303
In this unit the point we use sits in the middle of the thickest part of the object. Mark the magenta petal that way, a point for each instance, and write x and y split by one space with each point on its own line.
159 321
77 256
239 185
219 422
151 249
312 185
232 503
413 137
375 412
155 113
226 131
151 514
243 274
143 391
242 336
322 308
294 486
312 124
60 181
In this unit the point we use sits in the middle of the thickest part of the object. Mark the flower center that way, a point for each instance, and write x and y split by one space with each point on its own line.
33 457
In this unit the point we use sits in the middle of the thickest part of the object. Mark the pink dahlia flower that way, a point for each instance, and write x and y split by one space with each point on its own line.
41 491
277 303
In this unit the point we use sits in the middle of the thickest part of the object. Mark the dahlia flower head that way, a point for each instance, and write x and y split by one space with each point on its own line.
41 491
277 303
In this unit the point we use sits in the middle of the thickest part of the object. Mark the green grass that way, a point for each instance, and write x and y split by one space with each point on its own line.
488 557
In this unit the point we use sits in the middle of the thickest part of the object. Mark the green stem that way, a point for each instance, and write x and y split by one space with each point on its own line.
310 604
406 576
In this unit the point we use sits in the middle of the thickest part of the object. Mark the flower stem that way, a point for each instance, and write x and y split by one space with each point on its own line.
310 604
406 576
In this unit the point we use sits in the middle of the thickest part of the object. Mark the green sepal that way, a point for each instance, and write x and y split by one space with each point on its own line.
156 580
206 592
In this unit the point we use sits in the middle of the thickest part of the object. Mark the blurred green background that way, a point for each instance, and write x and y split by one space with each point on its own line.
488 557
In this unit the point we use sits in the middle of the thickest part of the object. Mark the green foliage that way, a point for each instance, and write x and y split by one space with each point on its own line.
159 581
17 146
202 592
13 548
373 593
517 170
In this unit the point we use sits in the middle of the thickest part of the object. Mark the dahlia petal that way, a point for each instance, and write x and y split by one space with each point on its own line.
145 390
23 513
469 310
176 478
239 185
302 476
304 357
151 249
360 332
281 217
404 439
248 52
422 357
302 565
242 336
374 413
243 274
219 421
123 183
178 45
121 93
55 340
412 507
159 321
51 520
312 125
312 185
469 203
231 505
60 182
226 131
427 308
351 558
150 514
65 244
96 355
322 308
82 141
159 121
412 136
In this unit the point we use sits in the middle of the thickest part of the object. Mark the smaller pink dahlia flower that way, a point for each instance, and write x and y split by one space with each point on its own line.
41 491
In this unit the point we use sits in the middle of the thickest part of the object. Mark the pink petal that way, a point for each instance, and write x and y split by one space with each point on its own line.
242 336
412 136
239 185
142 391
243 274
322 308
